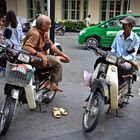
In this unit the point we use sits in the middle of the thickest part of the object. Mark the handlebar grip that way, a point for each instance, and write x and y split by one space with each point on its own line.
2 46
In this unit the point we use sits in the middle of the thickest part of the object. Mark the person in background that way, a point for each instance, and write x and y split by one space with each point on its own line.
2 70
17 34
34 22
1 29
87 20
34 43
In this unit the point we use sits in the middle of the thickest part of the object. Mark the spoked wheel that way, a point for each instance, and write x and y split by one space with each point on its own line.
48 96
124 101
92 42
6 114
93 112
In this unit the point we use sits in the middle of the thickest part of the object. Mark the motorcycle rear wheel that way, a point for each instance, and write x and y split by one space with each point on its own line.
93 112
48 96
6 115
61 32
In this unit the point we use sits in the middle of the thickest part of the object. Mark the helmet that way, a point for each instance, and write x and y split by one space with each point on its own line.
129 19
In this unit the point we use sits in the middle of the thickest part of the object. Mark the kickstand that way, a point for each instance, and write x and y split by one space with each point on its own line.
118 114
40 108
107 112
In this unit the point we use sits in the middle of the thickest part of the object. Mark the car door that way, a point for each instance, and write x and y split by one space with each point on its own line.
111 29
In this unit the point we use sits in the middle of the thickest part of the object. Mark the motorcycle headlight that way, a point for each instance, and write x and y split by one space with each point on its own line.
82 32
111 58
23 58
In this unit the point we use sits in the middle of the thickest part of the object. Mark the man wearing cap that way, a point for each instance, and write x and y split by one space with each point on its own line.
126 40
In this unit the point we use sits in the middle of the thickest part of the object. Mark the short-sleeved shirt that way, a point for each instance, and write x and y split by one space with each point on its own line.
36 39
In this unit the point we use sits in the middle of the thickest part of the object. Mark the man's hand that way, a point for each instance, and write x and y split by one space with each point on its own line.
66 57
134 64
44 60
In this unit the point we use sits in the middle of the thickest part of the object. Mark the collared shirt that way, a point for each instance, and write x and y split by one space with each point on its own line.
120 45
36 39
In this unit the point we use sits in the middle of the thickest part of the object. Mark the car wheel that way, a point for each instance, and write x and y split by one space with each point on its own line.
92 41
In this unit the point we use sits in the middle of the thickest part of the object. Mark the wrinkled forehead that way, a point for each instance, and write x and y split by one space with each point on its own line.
47 20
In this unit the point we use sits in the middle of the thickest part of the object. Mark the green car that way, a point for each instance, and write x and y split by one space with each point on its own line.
103 34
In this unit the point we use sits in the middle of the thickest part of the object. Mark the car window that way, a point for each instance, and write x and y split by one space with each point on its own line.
137 21
112 23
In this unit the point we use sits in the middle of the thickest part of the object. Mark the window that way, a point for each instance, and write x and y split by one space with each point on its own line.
31 8
36 6
111 8
74 9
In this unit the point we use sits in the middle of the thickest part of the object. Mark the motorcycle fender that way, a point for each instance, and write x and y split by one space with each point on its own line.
113 79
99 84
11 89
30 95
15 93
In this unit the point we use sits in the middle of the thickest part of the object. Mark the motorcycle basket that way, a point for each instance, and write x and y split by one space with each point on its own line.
18 74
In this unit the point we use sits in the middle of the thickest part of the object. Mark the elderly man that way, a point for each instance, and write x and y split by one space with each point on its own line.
34 43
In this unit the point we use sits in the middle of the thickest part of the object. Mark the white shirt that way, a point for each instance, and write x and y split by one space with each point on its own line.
87 21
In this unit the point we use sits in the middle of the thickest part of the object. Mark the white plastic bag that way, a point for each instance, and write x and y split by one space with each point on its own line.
87 78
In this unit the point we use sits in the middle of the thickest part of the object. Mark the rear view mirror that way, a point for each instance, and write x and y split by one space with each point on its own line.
7 33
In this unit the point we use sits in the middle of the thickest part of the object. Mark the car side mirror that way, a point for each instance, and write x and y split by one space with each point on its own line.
7 33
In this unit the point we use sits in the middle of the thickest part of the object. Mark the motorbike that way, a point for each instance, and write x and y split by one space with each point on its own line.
59 29
108 86
24 84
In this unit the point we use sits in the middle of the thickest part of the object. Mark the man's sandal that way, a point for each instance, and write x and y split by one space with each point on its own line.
63 111
56 112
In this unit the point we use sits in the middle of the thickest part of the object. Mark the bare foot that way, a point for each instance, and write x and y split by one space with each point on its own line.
54 87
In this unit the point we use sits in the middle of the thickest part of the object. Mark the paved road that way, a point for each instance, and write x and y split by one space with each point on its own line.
29 125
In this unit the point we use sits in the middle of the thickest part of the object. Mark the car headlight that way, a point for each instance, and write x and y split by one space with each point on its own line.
23 58
82 32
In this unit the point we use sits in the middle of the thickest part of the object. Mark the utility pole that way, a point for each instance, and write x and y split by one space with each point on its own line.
128 5
51 14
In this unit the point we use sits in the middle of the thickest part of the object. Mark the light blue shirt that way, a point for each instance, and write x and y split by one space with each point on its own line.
16 37
120 45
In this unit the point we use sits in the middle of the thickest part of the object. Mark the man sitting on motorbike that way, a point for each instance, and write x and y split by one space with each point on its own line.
34 43
125 44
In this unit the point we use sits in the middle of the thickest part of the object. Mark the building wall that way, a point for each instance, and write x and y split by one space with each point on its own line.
58 10
94 10
135 6
19 6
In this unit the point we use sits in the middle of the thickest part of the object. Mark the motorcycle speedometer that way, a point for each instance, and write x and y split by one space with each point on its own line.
111 58
24 58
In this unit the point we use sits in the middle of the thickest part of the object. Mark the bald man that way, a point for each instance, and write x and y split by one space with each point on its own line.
34 43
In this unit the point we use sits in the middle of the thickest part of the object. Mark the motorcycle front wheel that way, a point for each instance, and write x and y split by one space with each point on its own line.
6 114
93 112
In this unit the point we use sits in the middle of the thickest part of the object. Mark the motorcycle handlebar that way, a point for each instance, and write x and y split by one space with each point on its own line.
98 51
2 46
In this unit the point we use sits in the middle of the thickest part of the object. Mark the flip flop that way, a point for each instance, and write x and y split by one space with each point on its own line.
63 111
56 112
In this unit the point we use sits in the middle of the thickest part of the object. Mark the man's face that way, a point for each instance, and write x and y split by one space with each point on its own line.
46 26
127 27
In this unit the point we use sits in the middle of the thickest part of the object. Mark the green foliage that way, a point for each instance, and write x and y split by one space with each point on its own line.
73 26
